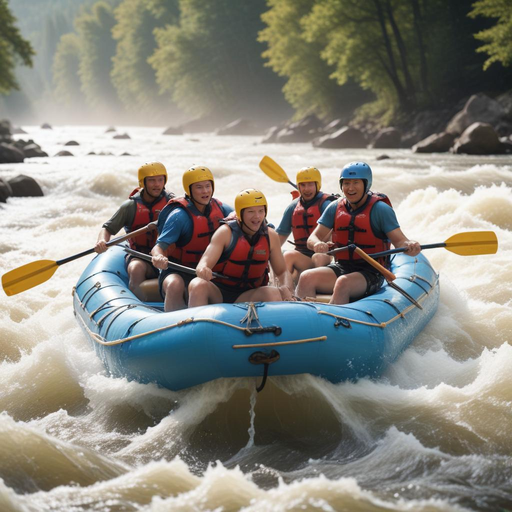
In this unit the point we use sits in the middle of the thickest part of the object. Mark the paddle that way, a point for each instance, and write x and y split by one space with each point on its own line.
177 266
463 244
388 276
274 171
35 273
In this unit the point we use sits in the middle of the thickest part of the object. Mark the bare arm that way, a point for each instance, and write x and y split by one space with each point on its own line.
278 264
282 239
399 240
317 239
160 256
101 244
220 240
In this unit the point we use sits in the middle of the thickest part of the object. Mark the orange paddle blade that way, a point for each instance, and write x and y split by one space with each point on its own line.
273 170
473 243
28 276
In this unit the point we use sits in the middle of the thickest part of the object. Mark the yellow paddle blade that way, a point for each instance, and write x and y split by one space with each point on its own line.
28 276
273 170
473 243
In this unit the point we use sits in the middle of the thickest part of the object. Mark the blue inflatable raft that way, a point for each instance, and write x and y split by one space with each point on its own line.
177 350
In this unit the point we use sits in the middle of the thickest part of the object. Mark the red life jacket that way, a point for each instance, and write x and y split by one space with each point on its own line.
304 220
245 261
144 214
189 251
354 227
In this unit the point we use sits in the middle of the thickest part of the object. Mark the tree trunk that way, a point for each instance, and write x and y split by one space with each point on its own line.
402 51
418 26
391 69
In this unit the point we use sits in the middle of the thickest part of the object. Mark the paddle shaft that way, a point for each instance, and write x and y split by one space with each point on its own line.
391 251
403 249
389 276
177 266
115 241
463 244
33 274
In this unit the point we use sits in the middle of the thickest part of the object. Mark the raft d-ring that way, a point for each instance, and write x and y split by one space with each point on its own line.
265 359
343 322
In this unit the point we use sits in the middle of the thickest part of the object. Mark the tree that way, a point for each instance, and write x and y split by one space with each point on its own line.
132 76
378 44
309 88
498 38
12 48
211 62
97 48
66 66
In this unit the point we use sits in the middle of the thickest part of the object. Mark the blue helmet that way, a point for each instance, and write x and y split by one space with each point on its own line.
357 171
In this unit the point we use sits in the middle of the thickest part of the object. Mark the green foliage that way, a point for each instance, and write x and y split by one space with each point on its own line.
97 48
498 38
211 62
132 76
309 88
13 48
66 71
374 43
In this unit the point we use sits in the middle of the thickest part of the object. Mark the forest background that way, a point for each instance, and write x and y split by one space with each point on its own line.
163 62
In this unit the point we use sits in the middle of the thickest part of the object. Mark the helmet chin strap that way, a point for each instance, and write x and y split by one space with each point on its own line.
358 203
242 224
197 204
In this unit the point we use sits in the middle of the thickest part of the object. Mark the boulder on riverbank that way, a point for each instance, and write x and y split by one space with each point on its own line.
479 139
173 130
387 138
10 154
201 125
479 108
25 186
5 190
239 127
426 131
15 151
346 137
435 143
295 132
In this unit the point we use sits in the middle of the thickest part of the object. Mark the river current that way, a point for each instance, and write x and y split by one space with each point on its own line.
434 434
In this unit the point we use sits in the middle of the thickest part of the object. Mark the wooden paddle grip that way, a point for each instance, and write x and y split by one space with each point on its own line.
389 276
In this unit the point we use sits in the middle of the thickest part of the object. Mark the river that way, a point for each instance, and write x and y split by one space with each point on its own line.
434 434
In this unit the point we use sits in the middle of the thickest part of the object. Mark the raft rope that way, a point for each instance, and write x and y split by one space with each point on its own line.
266 360
250 316
400 314
276 343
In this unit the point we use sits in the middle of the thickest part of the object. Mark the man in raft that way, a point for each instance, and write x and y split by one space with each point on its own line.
142 207
362 218
241 251
300 218
186 228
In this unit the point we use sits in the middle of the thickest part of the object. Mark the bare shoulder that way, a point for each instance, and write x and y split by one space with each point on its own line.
223 234
273 237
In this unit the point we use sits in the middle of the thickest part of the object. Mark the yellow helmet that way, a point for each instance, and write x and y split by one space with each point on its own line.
310 175
195 175
151 169
247 198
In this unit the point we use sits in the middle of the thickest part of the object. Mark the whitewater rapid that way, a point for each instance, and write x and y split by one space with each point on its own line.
433 434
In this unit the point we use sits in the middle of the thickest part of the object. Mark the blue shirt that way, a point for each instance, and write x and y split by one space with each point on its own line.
178 227
382 218
285 226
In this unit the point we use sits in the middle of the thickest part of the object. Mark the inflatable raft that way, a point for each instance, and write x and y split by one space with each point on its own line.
180 349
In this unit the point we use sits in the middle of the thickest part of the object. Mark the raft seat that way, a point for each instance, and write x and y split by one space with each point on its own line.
149 291
324 298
